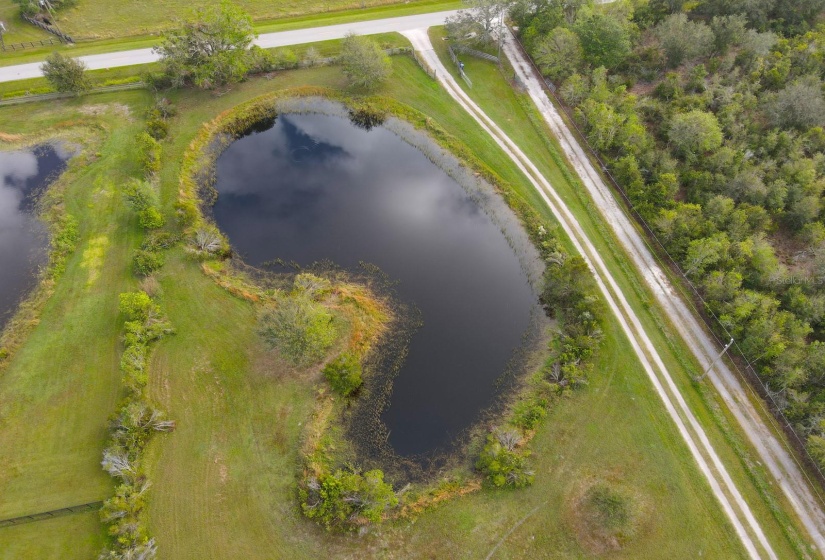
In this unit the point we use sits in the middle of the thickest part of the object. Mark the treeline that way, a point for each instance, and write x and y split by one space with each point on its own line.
136 419
711 119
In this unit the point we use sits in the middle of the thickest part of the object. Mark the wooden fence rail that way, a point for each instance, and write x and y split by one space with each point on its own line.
91 506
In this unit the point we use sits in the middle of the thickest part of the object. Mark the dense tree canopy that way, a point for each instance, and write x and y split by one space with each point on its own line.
711 116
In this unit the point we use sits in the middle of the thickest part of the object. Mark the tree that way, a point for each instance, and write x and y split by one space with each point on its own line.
558 54
477 23
604 39
695 132
799 105
65 74
704 253
365 64
728 31
682 39
210 50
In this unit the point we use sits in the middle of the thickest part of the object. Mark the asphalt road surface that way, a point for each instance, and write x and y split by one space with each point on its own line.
267 41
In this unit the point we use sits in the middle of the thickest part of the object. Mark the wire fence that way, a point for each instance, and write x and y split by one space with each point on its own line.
91 506
56 95
749 376
476 53
48 28
29 44
459 65
423 64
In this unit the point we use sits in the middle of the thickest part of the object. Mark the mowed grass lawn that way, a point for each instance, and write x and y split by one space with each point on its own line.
111 19
59 389
17 30
224 481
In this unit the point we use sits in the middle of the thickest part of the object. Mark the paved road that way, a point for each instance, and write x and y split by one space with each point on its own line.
710 464
267 40
779 460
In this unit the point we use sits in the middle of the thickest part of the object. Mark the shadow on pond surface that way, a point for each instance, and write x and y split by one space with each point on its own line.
315 187
24 174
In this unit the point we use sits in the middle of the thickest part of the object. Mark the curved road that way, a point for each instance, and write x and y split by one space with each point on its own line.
267 41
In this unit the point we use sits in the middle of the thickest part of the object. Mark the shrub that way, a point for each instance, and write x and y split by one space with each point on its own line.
157 128
502 466
149 151
527 414
301 329
145 263
260 60
209 241
344 374
142 197
65 74
158 241
312 286
150 218
136 306
342 498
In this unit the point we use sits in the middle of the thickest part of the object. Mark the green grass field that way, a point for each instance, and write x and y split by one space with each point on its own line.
17 30
90 20
224 480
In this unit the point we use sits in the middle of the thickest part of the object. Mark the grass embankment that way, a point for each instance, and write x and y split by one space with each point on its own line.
59 388
224 481
127 36
516 115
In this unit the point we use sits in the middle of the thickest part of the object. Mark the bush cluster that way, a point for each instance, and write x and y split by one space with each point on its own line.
502 463
130 430
344 374
570 295
346 499
300 327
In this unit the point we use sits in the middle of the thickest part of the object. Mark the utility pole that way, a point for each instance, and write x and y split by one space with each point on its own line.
713 363
2 31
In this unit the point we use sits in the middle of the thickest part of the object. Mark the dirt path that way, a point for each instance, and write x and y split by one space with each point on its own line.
772 452
744 523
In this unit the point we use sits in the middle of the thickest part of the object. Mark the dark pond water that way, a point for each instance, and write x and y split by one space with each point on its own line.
23 241
315 187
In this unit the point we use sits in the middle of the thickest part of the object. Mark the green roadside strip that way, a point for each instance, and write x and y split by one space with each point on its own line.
83 48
